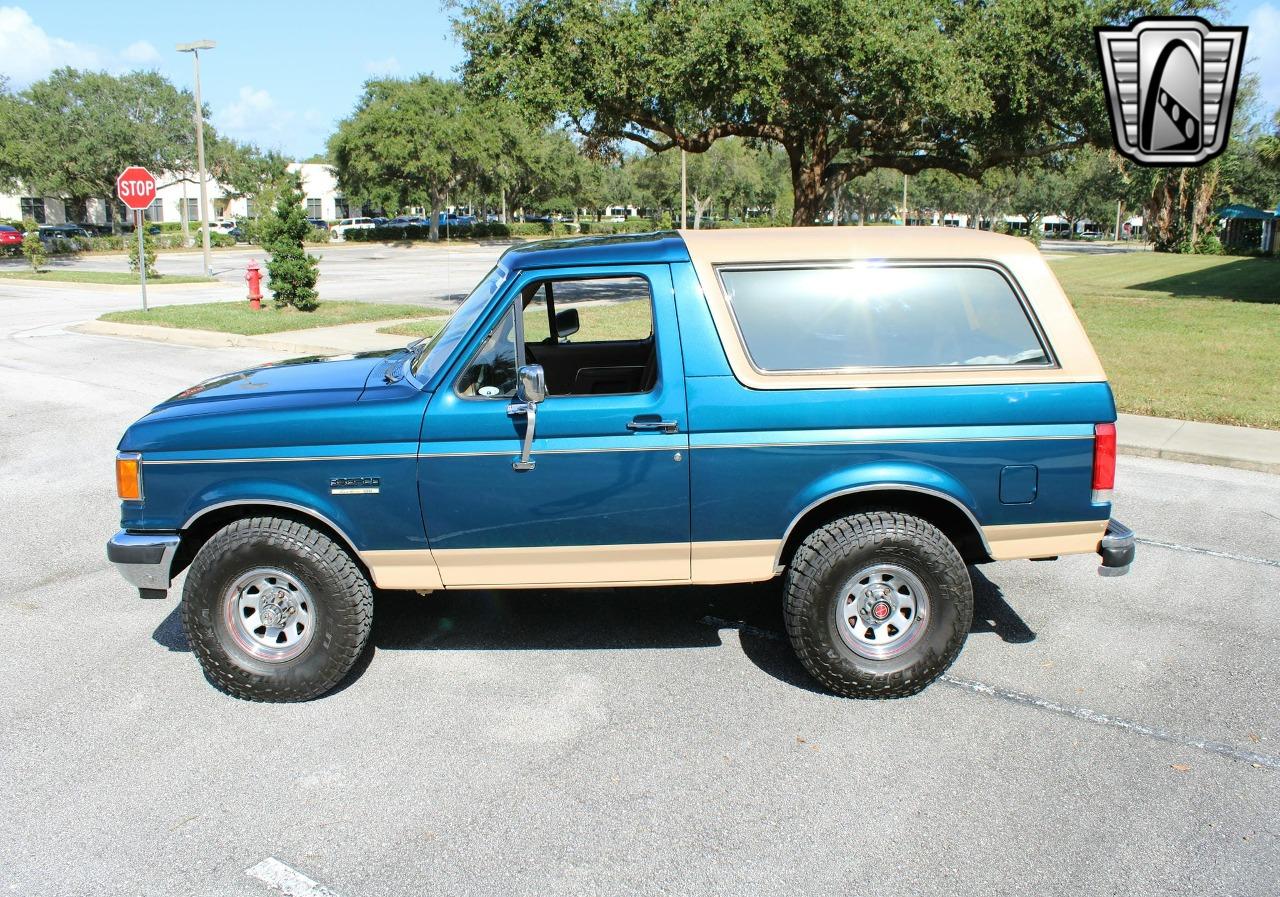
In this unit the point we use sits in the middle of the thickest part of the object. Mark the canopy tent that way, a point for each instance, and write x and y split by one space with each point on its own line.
1241 232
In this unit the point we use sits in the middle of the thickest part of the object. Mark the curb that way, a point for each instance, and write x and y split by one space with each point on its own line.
1244 448
113 287
205 339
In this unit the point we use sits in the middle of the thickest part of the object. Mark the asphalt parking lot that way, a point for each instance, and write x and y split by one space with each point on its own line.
1096 736
361 271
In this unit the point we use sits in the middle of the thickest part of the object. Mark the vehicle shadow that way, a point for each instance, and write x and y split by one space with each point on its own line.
1244 280
610 619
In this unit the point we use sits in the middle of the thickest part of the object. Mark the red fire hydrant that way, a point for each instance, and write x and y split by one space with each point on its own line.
253 274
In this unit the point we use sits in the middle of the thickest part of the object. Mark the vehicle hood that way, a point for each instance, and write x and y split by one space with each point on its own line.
282 379
338 400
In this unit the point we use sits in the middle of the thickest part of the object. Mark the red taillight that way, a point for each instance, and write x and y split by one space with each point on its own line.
1104 462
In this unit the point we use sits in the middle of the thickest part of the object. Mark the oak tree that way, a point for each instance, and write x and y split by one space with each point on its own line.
843 86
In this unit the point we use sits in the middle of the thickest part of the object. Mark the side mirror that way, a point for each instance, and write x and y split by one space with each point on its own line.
566 323
532 384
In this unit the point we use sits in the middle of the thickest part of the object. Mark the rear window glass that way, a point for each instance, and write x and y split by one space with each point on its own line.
880 316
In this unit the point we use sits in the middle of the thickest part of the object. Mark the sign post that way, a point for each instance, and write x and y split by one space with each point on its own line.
136 188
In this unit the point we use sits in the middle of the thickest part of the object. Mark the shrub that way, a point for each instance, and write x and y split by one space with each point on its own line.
293 273
32 247
106 244
1208 244
221 240
529 228
317 235
148 248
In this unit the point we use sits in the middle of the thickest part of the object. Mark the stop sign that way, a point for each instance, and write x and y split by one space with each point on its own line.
136 187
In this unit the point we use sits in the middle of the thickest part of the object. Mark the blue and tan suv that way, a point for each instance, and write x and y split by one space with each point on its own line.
859 412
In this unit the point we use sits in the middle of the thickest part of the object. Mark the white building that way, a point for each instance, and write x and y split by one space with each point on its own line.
178 193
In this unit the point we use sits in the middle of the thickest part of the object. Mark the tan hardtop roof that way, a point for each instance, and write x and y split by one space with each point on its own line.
794 244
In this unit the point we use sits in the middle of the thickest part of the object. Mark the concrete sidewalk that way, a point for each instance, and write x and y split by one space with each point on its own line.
1187 440
1154 437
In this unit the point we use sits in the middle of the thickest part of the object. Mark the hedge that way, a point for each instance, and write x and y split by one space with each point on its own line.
497 230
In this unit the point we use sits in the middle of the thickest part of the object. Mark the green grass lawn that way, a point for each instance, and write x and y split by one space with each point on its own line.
237 317
1194 337
125 278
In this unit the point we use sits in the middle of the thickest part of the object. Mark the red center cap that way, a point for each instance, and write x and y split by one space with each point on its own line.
881 610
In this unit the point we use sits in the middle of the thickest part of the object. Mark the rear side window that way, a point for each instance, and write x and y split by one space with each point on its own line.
880 316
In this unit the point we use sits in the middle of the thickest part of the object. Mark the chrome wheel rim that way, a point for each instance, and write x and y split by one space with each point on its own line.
270 614
882 610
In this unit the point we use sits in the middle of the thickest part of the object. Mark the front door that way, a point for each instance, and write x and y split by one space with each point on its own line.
606 499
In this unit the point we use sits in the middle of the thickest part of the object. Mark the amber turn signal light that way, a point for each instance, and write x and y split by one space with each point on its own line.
129 477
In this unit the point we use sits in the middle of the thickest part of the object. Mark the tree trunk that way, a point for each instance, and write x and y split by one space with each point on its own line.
699 209
436 202
808 181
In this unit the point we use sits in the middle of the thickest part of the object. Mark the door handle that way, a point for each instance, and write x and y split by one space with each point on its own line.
645 424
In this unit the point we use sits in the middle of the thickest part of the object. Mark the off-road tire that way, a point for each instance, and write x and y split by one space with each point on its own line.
339 591
825 562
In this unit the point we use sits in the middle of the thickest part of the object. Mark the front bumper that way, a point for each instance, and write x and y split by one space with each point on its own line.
1117 549
144 559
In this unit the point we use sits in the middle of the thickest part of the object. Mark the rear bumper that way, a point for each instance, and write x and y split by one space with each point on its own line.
144 559
1116 549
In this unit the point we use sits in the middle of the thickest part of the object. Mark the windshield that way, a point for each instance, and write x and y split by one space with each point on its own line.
432 356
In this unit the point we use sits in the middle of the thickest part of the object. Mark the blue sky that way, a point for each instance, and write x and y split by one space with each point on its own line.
284 73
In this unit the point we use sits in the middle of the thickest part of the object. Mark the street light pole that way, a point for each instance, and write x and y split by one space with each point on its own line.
194 49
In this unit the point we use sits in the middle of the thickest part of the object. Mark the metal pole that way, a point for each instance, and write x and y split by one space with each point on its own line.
684 191
1117 219
204 187
904 200
142 257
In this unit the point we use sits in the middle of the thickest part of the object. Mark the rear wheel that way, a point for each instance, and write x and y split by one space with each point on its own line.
878 605
275 610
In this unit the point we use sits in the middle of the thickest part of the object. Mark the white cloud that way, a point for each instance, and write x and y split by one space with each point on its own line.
140 53
253 109
255 116
388 66
1260 46
28 53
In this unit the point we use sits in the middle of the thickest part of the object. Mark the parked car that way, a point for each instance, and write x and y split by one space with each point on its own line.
63 232
318 223
10 236
407 221
339 230
857 413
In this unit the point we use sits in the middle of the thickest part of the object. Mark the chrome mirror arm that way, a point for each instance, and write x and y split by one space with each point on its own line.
530 411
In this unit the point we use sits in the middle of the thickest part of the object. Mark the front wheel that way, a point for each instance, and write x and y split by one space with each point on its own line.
878 605
275 610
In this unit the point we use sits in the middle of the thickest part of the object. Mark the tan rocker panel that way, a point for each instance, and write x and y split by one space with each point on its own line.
1040 540
825 246
675 563
668 563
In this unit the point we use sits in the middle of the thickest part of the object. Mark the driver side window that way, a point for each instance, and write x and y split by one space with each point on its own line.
491 374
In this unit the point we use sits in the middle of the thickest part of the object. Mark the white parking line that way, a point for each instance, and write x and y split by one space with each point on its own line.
1115 722
276 874
1082 713
1174 546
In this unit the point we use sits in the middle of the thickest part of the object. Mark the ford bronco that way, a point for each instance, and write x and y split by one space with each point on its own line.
862 412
